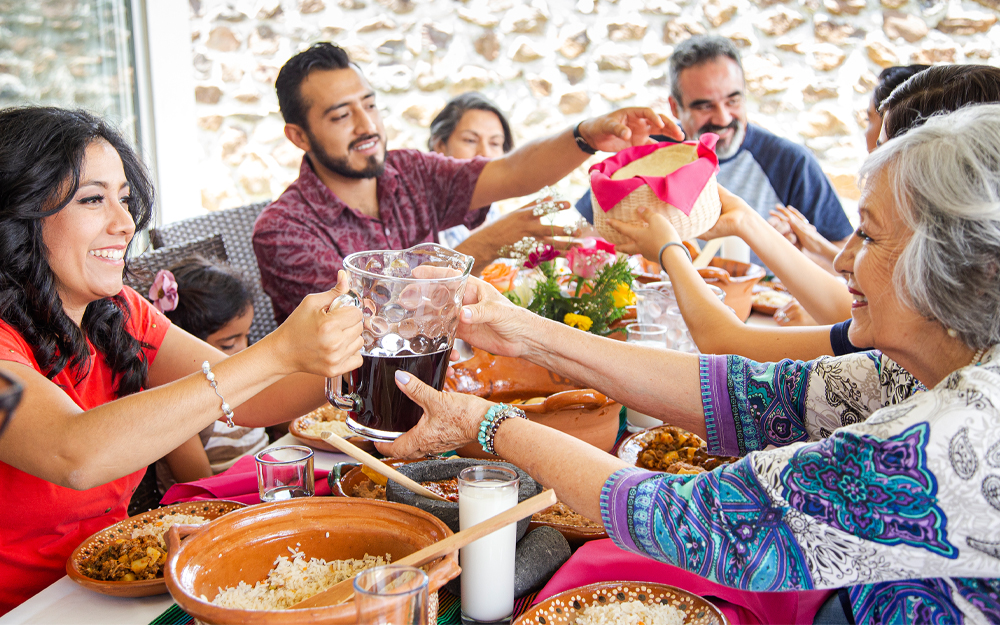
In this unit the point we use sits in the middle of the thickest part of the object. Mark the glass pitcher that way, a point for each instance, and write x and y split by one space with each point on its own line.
410 300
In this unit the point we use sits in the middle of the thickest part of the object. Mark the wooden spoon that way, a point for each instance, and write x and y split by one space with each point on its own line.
706 254
378 466
343 591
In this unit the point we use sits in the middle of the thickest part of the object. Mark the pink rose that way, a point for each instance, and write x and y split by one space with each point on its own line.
597 243
586 262
163 292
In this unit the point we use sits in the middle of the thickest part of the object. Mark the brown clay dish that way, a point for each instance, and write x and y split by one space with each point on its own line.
633 445
355 477
575 535
584 413
736 279
562 609
123 529
243 546
295 427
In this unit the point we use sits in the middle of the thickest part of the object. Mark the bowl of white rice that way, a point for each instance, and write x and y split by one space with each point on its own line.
253 564
624 603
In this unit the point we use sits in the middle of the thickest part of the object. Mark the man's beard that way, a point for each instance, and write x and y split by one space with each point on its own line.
342 167
731 148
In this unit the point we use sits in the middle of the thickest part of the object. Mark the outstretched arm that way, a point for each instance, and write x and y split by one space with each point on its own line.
272 381
823 295
544 161
713 326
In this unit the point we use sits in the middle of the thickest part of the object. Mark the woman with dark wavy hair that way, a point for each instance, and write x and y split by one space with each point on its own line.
109 384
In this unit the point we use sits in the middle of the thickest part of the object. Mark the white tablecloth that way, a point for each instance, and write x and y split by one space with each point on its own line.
65 602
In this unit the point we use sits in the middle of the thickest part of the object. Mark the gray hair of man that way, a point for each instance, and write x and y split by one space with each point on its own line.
695 51
945 178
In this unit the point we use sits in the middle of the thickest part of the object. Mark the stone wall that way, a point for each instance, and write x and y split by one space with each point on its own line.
810 67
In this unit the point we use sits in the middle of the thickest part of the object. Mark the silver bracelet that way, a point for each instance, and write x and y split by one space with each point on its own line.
226 410
665 246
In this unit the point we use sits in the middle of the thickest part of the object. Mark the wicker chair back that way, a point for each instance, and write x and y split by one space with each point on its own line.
236 227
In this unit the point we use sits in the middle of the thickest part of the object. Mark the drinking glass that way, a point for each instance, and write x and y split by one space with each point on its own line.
10 397
678 337
649 335
653 300
391 595
285 472
410 301
487 563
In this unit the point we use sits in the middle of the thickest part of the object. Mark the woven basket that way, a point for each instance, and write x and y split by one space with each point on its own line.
704 213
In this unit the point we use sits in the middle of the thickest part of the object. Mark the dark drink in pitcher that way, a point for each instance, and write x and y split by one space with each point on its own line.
381 410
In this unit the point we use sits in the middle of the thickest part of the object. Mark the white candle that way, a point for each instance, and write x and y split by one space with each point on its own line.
488 563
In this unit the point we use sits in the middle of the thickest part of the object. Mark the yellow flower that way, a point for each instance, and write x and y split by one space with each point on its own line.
623 295
578 321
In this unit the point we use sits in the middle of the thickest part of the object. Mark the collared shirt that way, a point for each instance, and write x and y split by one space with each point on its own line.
301 239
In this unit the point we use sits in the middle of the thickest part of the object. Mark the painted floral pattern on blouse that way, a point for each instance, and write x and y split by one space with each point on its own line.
853 475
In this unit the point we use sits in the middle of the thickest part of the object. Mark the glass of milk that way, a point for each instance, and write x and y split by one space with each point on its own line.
648 335
488 563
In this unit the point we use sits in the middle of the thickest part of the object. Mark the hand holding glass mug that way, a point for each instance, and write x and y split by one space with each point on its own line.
410 301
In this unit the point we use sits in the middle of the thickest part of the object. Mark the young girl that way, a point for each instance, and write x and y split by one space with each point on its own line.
211 301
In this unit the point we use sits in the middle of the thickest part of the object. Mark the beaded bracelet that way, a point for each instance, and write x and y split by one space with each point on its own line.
665 246
496 415
226 410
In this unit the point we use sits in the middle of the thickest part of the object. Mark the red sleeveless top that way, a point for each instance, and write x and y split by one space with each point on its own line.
42 523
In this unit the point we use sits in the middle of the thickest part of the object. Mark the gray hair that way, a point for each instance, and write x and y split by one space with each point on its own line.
695 51
945 177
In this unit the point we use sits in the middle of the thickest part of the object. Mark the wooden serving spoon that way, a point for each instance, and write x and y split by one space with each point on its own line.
378 466
343 591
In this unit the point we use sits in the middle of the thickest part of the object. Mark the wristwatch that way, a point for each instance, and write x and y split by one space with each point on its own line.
581 142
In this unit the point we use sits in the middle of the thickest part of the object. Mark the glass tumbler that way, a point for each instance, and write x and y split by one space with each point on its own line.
285 472
678 337
488 563
391 595
648 335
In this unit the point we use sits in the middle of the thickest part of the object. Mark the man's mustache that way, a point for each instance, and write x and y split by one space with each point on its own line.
710 127
358 142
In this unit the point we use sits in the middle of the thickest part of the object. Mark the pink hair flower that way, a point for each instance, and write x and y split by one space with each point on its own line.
163 292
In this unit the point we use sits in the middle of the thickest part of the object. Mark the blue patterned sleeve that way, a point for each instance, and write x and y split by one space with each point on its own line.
750 405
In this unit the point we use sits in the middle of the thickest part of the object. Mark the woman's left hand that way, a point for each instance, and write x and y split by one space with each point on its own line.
648 236
793 314
450 420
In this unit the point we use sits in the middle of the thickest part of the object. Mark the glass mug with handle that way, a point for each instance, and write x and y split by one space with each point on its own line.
410 301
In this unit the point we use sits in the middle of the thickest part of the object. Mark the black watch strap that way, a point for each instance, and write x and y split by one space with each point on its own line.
581 142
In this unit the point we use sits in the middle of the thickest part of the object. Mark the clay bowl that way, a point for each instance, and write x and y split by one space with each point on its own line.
243 545
575 535
584 413
123 529
737 280
297 429
563 608
354 476
447 511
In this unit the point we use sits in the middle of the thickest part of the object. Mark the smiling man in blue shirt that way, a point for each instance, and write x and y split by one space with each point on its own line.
708 94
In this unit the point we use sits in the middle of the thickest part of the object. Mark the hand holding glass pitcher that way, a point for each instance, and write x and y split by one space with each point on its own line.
410 301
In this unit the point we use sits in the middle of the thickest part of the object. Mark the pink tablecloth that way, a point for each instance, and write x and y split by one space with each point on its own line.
237 483
602 561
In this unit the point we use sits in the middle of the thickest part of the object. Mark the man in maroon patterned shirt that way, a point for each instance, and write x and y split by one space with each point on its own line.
352 194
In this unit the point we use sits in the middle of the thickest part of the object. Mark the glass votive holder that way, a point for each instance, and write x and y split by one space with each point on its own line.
647 334
487 563
391 595
285 472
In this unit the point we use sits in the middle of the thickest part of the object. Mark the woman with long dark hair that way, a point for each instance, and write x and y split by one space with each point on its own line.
109 384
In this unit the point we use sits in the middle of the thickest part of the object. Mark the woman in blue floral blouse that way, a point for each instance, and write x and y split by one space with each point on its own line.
850 478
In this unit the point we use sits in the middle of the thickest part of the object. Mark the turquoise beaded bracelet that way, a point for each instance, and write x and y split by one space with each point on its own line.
496 415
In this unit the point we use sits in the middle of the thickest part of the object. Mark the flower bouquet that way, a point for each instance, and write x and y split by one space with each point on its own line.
587 286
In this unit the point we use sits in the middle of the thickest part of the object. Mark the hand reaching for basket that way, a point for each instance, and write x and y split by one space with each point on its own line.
735 215
627 127
647 236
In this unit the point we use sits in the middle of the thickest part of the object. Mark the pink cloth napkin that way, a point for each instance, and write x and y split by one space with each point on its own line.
680 188
237 483
602 561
